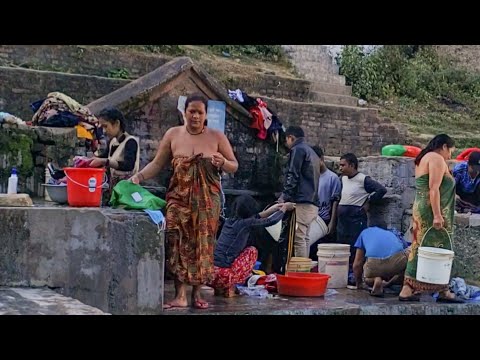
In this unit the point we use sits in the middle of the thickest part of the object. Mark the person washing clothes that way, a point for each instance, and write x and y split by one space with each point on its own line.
122 156
233 260
380 258
467 181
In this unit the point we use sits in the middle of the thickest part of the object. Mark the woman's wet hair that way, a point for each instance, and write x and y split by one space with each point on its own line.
112 115
196 97
244 207
436 143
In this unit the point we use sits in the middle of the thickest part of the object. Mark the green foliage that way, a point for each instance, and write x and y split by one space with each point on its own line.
264 52
18 151
414 85
413 71
119 74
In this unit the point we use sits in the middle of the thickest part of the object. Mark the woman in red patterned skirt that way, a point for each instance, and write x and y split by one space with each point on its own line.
232 259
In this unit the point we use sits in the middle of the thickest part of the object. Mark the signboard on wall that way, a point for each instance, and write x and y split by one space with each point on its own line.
215 112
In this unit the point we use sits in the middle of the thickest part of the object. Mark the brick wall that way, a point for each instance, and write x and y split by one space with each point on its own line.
339 129
91 60
40 145
20 87
271 86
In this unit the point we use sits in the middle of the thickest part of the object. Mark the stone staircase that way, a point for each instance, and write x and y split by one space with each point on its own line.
315 64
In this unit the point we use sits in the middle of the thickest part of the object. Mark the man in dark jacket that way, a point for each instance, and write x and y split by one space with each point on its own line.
301 185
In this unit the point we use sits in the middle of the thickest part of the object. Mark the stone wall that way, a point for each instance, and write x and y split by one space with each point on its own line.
29 149
340 129
76 59
21 87
314 62
397 174
271 86
466 244
109 259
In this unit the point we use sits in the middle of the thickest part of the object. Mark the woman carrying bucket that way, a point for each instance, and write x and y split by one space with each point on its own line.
433 214
122 156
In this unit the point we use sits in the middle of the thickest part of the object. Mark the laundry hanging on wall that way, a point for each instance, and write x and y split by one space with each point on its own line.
264 120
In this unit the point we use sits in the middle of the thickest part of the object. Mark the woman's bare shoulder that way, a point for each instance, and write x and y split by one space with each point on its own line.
217 134
433 157
173 131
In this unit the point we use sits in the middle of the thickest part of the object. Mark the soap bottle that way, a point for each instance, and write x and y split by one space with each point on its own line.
47 182
13 182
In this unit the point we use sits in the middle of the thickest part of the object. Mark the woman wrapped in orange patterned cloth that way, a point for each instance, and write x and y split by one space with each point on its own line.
199 155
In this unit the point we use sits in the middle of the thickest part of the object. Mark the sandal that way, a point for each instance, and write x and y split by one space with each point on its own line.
199 304
379 295
454 300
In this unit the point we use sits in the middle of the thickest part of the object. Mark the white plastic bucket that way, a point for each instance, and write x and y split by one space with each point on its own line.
333 260
434 265
318 229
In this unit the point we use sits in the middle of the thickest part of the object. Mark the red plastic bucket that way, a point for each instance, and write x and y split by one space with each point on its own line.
84 186
302 284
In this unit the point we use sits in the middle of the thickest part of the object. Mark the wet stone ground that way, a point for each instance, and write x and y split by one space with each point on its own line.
41 301
345 302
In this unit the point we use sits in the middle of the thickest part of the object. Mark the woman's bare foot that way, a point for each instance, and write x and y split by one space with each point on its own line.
180 302
197 301
377 289
407 294
230 292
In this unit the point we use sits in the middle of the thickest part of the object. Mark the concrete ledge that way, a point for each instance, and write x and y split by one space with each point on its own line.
472 220
41 301
109 259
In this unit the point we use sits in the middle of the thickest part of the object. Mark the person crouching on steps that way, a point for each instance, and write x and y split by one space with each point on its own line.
233 260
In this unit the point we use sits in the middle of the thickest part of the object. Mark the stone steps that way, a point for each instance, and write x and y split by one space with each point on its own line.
314 62
313 75
339 106
331 88
337 99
